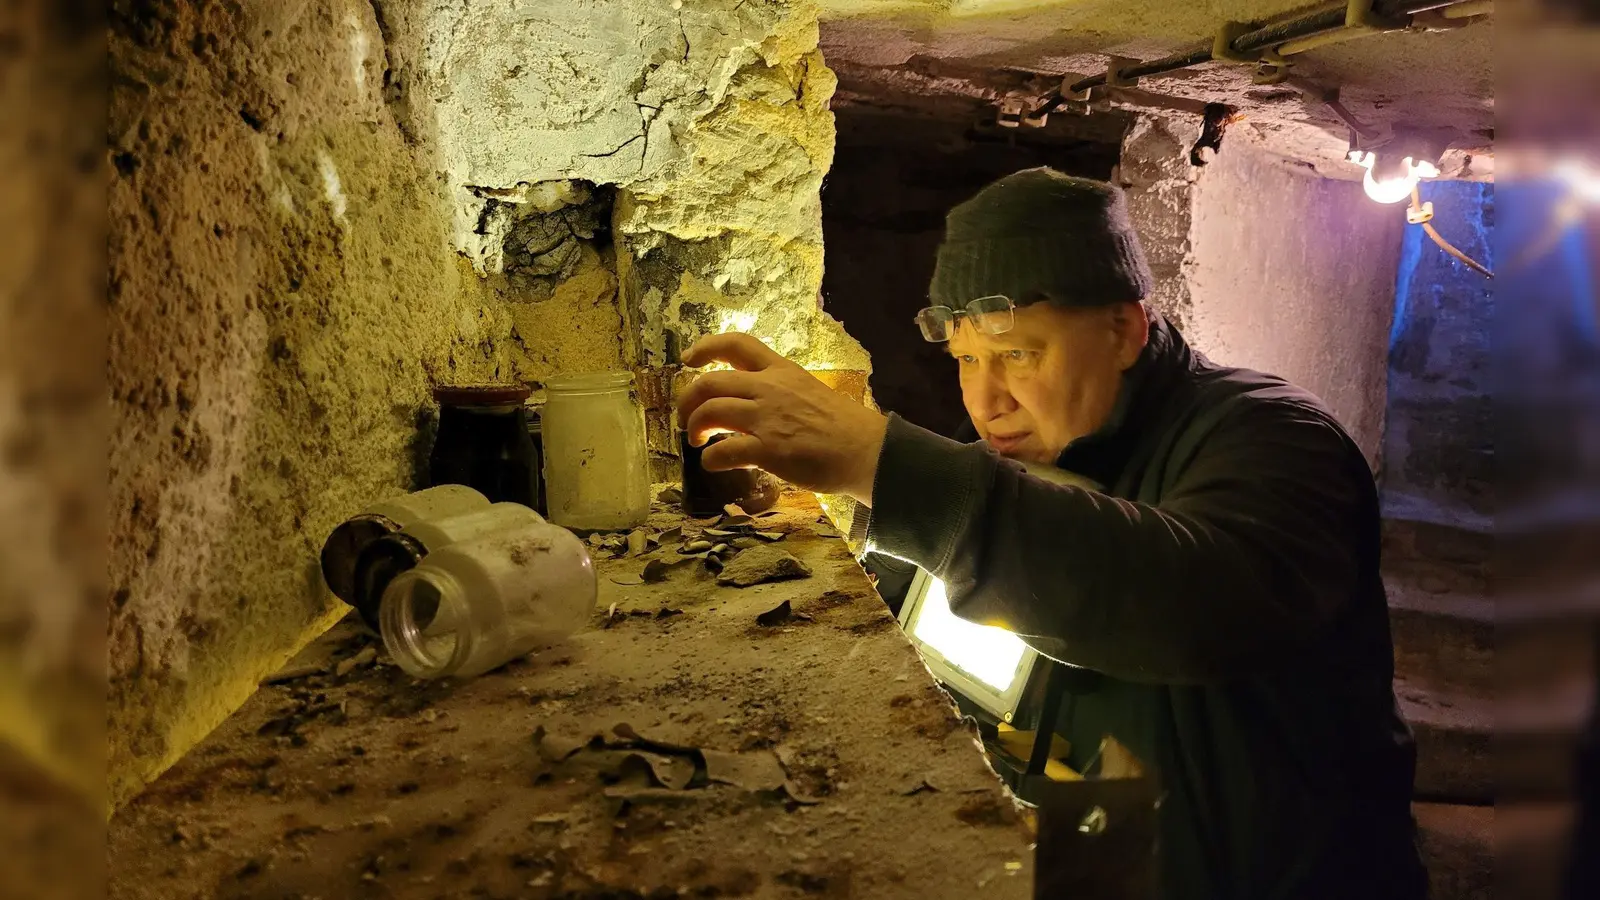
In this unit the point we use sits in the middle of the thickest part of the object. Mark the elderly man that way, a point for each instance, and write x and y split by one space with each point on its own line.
1225 583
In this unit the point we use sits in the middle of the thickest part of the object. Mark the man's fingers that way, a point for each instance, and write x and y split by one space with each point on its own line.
721 414
738 350
712 385
741 451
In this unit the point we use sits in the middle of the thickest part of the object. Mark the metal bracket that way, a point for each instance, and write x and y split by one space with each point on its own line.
1117 63
1271 68
1222 44
1360 14
1012 111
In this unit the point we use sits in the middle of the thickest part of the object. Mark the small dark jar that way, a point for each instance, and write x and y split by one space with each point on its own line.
483 443
706 493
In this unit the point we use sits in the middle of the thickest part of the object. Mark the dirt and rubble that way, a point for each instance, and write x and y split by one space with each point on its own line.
697 740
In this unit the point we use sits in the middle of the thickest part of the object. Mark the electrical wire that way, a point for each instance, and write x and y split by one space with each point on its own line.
1446 246
1322 19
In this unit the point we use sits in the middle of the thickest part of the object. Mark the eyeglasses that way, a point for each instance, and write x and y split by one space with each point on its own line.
989 315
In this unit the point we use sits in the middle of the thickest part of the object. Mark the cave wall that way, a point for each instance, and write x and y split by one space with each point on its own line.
1439 450
320 208
1294 274
709 121
52 436
282 295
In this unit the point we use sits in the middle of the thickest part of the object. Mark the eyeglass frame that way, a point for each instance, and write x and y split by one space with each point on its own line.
971 311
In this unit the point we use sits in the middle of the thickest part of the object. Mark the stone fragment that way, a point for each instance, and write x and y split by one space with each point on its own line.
762 564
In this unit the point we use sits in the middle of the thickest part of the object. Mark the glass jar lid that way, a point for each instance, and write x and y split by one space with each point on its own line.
480 394
589 382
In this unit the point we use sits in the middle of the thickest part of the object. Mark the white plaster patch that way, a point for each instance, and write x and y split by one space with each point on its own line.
331 187
359 45
272 179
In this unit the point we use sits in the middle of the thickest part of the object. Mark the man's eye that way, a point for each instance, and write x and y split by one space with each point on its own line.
1017 355
966 359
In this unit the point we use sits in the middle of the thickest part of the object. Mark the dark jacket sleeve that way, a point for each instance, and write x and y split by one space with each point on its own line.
1252 550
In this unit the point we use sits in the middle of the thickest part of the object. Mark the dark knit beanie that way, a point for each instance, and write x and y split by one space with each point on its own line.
1039 233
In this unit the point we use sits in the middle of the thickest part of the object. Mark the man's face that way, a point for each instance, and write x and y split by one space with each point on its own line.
1051 379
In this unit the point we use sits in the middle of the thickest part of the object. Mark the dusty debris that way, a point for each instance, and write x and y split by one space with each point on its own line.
555 747
638 542
734 510
799 796
762 564
675 533
776 615
740 521
668 771
696 547
771 536
670 495
744 543
920 786
293 673
627 580
758 770
655 571
346 666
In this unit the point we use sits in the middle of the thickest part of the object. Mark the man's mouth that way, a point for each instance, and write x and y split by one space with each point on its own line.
1005 443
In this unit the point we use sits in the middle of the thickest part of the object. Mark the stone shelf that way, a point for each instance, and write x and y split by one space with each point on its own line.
358 781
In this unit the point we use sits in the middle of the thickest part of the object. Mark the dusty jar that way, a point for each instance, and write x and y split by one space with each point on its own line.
342 550
384 559
596 470
473 606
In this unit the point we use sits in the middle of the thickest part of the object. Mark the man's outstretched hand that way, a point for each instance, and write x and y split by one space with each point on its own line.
782 418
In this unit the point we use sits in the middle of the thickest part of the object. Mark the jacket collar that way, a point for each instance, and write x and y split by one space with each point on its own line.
1146 385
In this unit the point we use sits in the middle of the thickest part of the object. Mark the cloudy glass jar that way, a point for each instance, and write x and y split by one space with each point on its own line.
475 605
596 469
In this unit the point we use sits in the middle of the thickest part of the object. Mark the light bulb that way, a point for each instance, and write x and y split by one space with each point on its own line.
1585 182
1392 189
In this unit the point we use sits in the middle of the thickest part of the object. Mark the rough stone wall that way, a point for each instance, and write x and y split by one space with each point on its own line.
282 292
52 463
321 207
1439 449
1294 274
1159 182
709 119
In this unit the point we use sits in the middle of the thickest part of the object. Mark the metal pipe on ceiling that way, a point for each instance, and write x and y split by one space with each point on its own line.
1322 20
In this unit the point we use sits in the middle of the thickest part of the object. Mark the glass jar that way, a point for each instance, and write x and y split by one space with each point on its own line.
483 442
342 551
705 493
596 470
381 561
475 605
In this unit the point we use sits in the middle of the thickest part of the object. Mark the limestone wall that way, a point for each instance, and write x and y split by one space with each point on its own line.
282 294
320 208
52 439
709 121
1439 449
1294 274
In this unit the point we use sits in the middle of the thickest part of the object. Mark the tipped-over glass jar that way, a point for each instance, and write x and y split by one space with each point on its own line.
476 604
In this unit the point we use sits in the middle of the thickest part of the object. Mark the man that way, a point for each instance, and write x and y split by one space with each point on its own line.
1226 582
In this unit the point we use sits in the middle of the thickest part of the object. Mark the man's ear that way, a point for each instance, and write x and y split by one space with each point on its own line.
1132 322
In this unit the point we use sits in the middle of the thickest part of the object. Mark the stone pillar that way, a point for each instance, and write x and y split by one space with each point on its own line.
709 120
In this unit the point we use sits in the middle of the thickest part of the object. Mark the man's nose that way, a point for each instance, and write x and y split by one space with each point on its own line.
991 397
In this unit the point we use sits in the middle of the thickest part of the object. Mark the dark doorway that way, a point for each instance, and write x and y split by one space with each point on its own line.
896 173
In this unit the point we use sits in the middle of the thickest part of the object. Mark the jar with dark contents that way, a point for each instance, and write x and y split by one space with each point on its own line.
705 493
483 442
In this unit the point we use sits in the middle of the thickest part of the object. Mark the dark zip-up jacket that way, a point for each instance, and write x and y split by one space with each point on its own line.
1227 587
